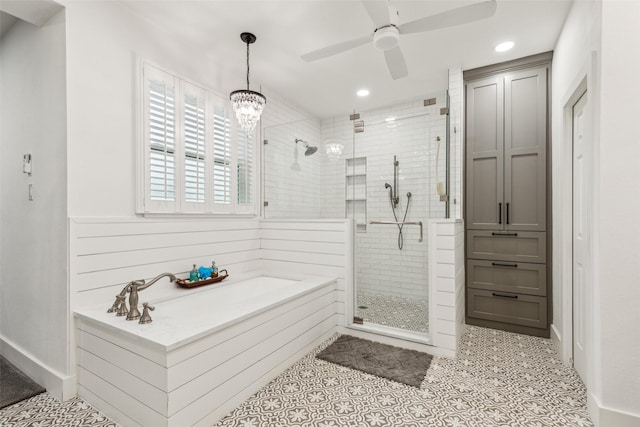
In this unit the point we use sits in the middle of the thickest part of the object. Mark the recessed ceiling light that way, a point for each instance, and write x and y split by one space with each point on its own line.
504 46
390 119
363 92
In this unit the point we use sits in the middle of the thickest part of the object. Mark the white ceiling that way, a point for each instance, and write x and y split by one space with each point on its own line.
287 29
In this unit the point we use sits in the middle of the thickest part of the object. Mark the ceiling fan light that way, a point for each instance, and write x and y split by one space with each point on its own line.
386 38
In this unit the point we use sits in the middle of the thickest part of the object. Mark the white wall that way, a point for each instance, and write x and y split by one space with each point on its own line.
618 230
33 278
572 61
103 39
598 45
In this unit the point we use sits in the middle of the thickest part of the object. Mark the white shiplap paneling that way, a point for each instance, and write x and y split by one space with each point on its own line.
316 247
446 263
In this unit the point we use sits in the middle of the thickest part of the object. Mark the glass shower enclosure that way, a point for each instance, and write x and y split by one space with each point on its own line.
391 178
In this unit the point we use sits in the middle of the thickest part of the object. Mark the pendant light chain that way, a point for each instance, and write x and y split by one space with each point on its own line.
247 104
247 65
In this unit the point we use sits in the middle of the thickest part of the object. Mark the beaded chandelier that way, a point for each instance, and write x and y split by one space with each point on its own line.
247 104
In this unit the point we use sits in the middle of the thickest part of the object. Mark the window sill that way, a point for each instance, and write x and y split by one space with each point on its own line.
194 215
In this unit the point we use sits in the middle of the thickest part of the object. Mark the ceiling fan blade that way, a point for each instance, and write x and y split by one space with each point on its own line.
395 63
378 10
335 49
450 18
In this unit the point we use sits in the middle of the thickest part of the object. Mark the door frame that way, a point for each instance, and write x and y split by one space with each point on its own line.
582 204
564 276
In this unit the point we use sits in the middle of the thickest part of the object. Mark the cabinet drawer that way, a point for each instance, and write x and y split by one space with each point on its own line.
517 309
521 277
519 246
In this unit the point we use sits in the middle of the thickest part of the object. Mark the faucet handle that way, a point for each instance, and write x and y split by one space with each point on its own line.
146 318
115 305
122 306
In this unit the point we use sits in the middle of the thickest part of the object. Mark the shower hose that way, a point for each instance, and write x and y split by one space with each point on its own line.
395 215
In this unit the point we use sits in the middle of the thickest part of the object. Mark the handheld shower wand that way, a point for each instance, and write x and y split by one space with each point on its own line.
394 200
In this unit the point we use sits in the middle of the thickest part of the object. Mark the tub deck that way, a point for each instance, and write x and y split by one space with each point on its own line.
206 351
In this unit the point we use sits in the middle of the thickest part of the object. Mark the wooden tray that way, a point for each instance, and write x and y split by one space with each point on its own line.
187 284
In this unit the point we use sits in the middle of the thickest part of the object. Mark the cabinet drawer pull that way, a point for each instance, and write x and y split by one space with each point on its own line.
505 296
497 264
499 213
504 234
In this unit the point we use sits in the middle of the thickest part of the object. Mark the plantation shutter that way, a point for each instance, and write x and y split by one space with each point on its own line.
221 157
160 136
245 169
193 158
194 139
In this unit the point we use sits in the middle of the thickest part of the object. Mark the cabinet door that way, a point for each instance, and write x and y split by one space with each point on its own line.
484 154
525 136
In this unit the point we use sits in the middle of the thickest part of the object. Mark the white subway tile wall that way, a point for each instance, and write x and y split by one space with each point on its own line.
381 267
306 187
291 180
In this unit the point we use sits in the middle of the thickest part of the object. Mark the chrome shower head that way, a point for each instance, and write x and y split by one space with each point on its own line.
309 148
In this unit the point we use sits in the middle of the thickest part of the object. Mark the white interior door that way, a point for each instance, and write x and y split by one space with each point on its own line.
580 234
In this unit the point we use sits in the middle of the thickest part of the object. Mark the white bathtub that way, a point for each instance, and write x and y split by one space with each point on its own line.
207 349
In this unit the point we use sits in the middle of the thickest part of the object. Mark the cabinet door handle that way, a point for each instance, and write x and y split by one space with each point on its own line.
499 213
504 234
505 296
507 213
497 264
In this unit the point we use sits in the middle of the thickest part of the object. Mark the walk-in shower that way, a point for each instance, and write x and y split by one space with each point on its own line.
387 183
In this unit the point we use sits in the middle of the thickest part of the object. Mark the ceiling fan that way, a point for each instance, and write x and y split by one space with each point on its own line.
388 30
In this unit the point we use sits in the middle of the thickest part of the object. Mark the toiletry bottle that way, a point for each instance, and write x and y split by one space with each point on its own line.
214 269
193 275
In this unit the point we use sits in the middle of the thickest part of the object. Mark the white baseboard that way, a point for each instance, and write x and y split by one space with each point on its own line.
556 338
608 417
62 387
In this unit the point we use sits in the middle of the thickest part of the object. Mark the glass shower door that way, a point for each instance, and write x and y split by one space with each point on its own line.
393 187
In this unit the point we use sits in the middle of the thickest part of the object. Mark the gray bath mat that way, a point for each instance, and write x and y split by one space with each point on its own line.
14 385
386 361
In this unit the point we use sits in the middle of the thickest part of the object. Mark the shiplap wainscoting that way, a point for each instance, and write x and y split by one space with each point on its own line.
314 247
196 381
446 284
139 384
106 254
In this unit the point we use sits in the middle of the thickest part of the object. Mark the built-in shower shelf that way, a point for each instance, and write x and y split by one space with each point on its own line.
355 191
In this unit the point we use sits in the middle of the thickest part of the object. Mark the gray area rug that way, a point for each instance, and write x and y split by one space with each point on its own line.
14 385
393 363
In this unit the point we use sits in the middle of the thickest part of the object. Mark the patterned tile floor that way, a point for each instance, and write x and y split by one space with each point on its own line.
396 312
498 379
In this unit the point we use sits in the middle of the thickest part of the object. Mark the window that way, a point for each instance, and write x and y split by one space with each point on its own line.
196 158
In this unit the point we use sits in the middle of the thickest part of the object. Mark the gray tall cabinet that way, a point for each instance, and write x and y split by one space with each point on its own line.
506 196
